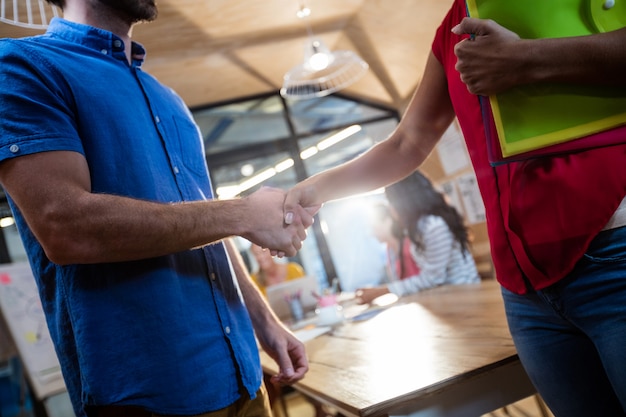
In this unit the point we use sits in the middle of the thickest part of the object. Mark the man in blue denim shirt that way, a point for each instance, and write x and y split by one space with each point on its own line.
105 172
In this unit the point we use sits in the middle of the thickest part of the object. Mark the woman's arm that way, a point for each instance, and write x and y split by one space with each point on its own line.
428 116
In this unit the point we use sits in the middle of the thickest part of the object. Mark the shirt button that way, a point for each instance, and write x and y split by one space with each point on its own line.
176 171
212 276
103 51
157 119
227 330
14 148
117 43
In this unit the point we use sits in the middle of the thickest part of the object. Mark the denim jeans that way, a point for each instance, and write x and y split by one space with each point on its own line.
571 336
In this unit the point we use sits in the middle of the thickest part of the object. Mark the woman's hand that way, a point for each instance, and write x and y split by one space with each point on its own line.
367 295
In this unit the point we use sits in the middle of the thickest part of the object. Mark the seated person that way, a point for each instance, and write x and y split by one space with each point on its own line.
269 271
385 228
439 237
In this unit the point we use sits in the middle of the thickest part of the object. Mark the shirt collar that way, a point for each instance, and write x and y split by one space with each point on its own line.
94 38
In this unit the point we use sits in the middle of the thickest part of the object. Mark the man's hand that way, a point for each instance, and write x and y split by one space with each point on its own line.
275 339
491 60
268 226
288 352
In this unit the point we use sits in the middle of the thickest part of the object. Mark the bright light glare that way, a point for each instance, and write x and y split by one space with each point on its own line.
319 61
283 165
227 191
257 179
247 170
7 221
324 227
338 137
385 300
303 12
309 152
230 191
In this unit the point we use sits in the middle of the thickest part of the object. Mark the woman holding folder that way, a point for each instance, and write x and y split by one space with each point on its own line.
555 225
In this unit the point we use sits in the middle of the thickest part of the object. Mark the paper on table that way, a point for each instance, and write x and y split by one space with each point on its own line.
306 334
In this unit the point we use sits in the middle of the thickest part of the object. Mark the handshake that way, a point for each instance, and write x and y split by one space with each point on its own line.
277 220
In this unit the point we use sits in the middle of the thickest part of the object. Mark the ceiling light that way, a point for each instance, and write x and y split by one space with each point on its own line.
7 221
338 137
318 56
283 165
308 152
233 190
31 14
257 179
246 170
329 141
322 72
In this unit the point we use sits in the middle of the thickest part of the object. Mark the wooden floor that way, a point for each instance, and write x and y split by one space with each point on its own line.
298 406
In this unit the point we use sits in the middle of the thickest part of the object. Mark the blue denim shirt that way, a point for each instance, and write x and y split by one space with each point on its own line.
171 333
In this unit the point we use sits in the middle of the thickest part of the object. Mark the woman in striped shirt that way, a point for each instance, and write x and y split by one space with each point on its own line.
439 237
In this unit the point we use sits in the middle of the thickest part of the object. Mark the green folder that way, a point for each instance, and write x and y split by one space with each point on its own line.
532 117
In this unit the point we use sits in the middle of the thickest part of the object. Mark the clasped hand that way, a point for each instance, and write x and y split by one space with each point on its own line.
266 225
277 222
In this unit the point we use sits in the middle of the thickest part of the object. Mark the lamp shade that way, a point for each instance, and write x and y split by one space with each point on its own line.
32 14
322 72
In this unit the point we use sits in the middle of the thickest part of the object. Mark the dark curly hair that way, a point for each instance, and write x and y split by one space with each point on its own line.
415 197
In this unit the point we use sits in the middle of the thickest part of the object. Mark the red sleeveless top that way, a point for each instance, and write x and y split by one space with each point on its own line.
542 213
410 267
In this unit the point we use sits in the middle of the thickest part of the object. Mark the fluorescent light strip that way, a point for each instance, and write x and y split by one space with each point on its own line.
227 191
338 137
329 141
7 221
230 191
308 152
283 165
257 179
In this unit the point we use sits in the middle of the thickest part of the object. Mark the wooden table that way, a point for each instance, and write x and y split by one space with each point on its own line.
441 352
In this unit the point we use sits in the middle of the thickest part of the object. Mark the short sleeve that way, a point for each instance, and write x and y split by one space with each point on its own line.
35 104
444 32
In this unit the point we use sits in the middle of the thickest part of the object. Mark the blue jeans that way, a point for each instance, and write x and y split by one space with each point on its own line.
571 337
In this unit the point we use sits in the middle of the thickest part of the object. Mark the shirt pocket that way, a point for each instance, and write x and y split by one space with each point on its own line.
190 145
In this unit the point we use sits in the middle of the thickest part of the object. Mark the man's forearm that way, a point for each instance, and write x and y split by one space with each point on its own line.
112 228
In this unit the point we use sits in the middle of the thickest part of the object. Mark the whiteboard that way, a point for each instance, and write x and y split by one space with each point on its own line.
21 309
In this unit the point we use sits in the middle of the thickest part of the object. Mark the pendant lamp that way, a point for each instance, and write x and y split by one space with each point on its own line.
322 72
31 14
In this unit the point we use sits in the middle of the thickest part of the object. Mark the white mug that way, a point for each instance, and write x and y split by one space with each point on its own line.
329 315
